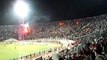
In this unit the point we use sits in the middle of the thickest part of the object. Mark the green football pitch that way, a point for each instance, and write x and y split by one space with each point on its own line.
11 51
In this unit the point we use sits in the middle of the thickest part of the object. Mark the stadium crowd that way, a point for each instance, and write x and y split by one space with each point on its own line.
82 29
91 51
89 31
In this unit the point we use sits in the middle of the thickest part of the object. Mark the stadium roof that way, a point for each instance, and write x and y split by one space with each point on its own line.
56 9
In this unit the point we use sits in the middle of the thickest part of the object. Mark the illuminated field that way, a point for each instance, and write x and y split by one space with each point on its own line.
12 51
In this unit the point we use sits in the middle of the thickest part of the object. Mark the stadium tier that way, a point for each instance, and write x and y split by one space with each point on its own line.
86 40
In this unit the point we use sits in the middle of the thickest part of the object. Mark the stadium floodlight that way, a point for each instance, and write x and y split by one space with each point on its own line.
21 8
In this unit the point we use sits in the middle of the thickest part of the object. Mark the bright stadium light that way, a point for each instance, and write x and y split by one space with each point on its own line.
21 8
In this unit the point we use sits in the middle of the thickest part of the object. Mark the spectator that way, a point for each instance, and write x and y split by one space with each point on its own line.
75 56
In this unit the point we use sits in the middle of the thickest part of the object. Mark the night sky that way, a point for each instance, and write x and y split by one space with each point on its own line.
54 9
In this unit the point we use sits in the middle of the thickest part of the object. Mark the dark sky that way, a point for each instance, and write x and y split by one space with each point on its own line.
55 9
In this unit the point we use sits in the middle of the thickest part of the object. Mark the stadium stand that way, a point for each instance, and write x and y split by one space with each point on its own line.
90 34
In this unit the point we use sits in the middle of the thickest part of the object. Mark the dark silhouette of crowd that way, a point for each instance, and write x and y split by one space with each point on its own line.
91 51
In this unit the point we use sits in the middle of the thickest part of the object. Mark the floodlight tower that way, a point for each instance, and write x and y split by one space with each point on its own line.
21 9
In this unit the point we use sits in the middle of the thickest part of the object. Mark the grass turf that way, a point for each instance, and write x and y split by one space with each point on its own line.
12 51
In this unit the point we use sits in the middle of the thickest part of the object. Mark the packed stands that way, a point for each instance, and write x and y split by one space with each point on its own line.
88 31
